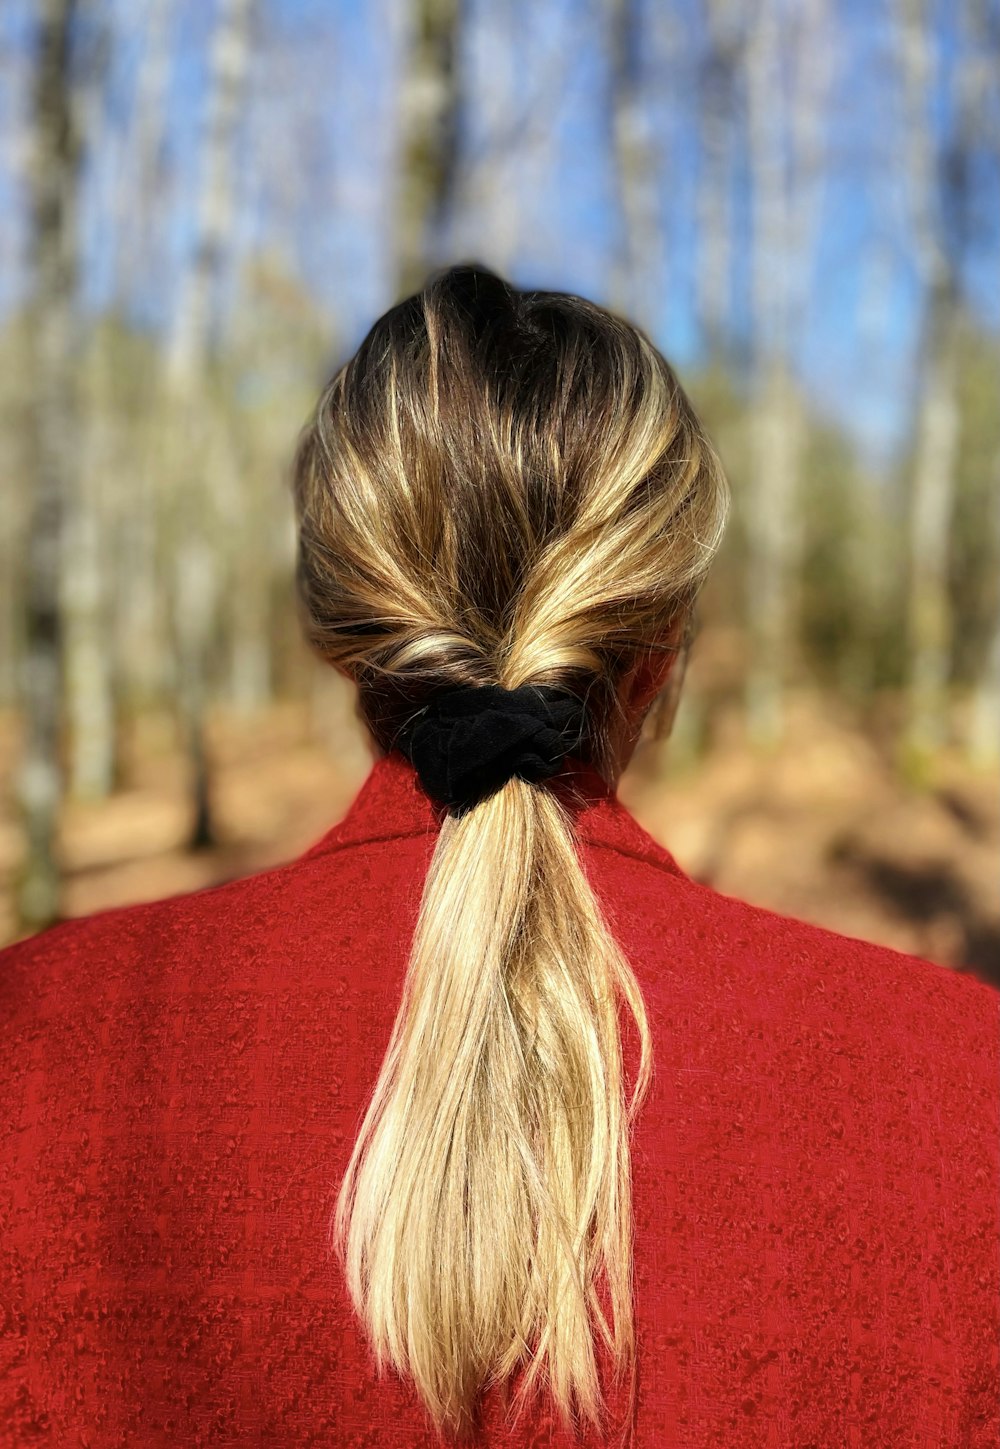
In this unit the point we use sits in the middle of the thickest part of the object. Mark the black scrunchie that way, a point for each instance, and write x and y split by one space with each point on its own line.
468 742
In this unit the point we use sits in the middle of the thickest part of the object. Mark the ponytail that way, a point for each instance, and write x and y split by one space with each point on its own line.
490 1183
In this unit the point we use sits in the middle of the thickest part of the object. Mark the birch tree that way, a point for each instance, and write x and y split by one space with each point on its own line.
16 147
428 120
508 134
638 258
53 182
721 68
195 583
139 643
938 195
784 142
984 726
982 125
87 565
932 481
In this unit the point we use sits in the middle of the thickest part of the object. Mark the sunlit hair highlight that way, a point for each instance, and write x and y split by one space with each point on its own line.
501 487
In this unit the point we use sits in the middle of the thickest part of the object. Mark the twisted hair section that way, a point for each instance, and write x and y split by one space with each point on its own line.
501 487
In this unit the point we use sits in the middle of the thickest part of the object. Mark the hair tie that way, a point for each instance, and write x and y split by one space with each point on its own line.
468 742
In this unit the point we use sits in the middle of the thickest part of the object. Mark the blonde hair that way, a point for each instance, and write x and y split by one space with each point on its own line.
501 487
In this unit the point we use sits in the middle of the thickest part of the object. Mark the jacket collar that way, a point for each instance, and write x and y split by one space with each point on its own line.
390 804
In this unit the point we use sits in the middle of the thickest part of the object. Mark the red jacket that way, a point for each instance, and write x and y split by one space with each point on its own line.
815 1170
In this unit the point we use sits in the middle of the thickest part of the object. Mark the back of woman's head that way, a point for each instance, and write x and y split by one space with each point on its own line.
501 487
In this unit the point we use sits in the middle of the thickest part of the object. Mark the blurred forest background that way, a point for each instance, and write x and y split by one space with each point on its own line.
203 206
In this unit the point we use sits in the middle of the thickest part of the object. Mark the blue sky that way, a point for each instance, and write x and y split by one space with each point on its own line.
317 158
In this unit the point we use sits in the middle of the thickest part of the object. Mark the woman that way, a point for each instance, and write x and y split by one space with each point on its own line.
480 1121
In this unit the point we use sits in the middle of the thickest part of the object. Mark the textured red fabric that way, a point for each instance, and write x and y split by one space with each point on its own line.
815 1170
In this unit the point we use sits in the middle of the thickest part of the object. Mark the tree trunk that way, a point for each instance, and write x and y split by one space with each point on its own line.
931 506
428 119
984 725
786 211
249 631
191 340
941 222
138 204
726 44
932 479
53 184
503 140
88 644
637 260
776 440
88 635
196 585
140 641
772 462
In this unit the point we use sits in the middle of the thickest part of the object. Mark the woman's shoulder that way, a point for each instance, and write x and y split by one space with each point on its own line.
265 926
690 941
76 961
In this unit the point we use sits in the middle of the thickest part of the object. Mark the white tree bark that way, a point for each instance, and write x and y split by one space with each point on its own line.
517 90
87 564
984 724
938 210
196 583
88 633
726 47
638 259
785 216
136 580
137 200
428 105
932 482
16 155
982 65
190 338
53 169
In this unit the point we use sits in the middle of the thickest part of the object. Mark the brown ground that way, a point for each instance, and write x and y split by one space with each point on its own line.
823 830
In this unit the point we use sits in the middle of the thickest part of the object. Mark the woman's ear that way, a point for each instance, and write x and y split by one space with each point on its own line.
653 669
649 679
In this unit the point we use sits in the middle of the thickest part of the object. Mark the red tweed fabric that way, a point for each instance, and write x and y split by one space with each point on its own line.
815 1171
